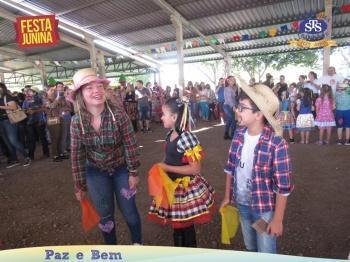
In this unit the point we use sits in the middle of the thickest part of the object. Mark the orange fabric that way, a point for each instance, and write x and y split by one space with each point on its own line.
160 186
90 217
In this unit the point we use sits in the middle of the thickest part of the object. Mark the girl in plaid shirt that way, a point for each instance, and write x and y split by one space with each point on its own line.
191 198
258 169
103 154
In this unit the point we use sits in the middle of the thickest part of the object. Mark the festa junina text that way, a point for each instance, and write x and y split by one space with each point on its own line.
37 31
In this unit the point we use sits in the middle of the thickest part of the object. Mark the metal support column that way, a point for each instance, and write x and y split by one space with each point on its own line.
100 59
328 34
227 60
43 75
92 50
179 46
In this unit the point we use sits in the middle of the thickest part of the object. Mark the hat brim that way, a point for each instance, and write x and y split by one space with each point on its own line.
275 124
89 80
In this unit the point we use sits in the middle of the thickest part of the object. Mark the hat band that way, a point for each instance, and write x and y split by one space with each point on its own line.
85 77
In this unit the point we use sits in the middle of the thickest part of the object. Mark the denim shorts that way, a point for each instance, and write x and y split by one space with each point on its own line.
342 118
144 113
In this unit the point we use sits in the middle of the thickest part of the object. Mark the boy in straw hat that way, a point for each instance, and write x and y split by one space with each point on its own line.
258 169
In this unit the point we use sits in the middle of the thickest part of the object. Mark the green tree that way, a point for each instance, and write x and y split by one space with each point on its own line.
257 65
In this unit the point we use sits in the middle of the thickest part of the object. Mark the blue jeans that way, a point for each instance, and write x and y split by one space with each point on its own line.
254 241
194 110
11 138
204 109
230 120
102 188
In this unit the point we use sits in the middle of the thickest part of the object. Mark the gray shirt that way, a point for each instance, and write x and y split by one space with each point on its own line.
230 96
142 96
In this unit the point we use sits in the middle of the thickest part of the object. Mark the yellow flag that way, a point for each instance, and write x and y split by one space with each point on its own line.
229 223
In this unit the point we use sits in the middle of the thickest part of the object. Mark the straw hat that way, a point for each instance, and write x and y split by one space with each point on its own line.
86 76
35 89
267 102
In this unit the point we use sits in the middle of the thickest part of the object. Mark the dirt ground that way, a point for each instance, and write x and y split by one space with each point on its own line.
38 208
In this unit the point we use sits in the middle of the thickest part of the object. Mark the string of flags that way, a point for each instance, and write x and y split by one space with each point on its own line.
271 32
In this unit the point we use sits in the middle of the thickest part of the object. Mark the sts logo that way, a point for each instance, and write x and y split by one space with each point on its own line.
313 29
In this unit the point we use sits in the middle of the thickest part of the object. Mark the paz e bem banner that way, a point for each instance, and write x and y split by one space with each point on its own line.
35 31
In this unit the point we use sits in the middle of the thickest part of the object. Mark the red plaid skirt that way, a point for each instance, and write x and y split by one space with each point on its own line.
193 205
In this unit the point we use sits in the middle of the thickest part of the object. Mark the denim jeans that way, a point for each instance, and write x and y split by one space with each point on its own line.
34 131
254 241
194 110
204 109
10 133
102 188
230 120
65 134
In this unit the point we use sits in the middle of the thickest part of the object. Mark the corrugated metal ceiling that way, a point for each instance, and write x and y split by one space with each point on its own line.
142 24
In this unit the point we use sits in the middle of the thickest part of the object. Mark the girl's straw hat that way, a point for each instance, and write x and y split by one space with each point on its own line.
86 76
267 102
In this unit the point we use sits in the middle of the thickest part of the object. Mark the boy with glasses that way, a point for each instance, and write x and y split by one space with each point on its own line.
258 169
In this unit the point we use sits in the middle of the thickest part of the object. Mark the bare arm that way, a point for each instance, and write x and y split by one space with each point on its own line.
193 168
226 200
275 227
10 106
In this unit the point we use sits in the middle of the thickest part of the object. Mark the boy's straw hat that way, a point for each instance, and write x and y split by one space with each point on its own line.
267 102
86 76
35 89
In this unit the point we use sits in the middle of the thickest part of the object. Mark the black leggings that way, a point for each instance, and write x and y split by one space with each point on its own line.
185 237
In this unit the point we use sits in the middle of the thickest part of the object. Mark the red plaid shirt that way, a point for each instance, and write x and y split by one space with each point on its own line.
271 169
114 146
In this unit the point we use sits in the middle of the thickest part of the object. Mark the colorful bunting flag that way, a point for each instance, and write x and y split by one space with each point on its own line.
236 38
345 8
295 25
188 44
221 41
263 34
245 37
272 32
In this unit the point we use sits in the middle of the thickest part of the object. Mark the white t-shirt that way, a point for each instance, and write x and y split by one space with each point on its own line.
312 87
245 169
332 81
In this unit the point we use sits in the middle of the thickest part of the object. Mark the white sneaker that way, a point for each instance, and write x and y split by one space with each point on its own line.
27 161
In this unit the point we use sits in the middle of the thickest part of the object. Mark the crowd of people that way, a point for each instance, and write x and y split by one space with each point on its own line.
304 104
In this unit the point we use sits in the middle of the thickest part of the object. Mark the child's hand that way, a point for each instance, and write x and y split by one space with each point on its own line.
275 228
80 195
133 181
225 202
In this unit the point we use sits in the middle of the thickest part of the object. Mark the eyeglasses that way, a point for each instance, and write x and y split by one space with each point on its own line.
241 107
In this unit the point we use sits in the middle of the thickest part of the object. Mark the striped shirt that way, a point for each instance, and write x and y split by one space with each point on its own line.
113 146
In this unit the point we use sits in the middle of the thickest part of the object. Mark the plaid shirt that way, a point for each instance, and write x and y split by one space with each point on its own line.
114 146
271 169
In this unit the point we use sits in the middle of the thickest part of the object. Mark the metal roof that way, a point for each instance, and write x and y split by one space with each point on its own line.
143 25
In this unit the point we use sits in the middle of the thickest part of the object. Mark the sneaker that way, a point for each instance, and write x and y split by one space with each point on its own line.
12 164
347 143
27 161
319 142
57 159
64 156
149 130
339 142
291 141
